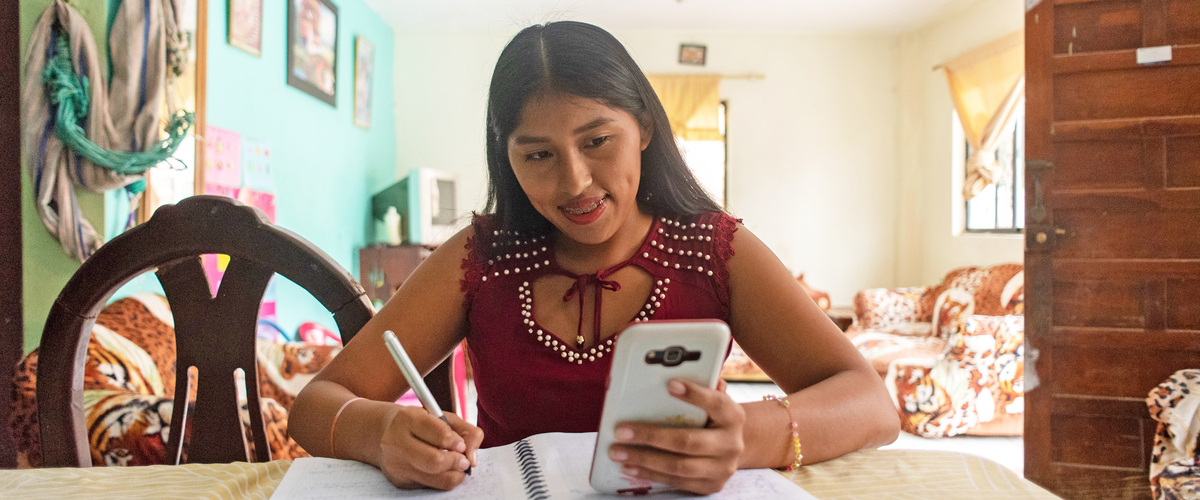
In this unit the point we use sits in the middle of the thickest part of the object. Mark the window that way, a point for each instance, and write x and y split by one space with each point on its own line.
1000 208
707 159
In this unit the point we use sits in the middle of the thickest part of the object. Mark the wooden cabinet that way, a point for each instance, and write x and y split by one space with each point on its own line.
383 268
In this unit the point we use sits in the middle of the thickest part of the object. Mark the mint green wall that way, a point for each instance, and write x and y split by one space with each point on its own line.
46 267
325 168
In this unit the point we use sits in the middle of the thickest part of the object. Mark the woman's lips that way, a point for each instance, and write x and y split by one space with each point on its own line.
585 211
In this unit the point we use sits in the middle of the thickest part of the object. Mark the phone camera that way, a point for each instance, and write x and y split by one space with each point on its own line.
671 356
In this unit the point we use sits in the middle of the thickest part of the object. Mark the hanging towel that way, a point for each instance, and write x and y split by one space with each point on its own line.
138 37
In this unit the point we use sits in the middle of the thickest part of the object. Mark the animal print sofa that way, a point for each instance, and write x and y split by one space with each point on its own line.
951 354
129 385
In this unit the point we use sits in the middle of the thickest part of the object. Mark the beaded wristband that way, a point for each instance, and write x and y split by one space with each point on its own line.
787 405
333 426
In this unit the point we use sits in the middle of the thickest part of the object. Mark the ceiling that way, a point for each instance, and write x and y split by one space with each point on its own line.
735 16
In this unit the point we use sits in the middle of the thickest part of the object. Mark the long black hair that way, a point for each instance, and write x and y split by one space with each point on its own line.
582 60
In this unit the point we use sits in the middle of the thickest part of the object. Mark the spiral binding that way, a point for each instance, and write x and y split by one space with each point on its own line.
535 485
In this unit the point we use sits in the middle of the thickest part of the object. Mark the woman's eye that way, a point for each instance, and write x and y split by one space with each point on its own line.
540 155
598 141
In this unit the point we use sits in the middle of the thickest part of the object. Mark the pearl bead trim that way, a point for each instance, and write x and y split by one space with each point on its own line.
691 260
525 254
525 297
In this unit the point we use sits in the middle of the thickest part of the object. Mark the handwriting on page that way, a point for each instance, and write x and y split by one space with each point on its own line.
327 478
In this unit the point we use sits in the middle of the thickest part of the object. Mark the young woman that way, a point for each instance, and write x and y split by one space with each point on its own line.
594 221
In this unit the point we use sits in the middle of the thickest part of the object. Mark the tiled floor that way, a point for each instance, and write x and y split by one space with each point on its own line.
1008 451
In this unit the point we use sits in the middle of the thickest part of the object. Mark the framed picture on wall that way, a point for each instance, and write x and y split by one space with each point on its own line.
312 48
245 25
364 74
692 54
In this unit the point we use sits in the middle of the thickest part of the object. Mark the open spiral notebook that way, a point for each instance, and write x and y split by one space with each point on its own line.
545 466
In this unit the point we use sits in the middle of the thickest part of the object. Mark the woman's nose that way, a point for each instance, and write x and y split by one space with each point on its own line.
576 174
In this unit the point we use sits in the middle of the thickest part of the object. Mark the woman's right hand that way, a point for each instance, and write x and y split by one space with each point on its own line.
418 450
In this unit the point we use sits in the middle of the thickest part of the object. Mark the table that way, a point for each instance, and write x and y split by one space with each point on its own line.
843 317
892 474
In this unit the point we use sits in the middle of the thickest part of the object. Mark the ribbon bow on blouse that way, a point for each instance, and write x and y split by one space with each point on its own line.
581 282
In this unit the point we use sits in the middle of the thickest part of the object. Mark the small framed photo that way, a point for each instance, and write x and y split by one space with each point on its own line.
312 48
364 74
245 25
692 54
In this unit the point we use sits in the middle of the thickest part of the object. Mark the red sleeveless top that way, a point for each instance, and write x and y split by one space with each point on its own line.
529 381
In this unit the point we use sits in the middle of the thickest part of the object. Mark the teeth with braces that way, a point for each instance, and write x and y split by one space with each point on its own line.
581 211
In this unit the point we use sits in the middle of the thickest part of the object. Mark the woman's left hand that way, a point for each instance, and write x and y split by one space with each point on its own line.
695 460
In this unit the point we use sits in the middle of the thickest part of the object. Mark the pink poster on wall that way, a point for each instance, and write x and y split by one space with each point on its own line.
222 159
221 190
259 199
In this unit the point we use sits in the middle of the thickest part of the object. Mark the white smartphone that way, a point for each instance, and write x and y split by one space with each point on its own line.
647 355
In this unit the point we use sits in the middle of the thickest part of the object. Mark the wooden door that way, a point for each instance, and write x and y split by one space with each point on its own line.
1113 234
11 327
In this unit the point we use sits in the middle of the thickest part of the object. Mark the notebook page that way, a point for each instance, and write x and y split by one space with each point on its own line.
326 478
566 460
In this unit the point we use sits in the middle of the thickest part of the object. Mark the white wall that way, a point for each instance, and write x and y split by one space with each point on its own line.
812 146
441 83
930 210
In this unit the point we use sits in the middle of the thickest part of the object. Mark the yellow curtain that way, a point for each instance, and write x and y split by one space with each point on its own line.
987 85
691 102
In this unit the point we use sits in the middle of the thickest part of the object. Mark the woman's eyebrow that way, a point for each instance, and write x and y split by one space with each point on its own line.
525 139
592 124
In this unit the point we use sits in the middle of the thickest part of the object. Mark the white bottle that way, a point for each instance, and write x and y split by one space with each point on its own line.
391 222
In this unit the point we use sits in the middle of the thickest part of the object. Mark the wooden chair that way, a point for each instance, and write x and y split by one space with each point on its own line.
214 334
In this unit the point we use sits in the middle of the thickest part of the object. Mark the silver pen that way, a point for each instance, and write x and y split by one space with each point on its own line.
414 378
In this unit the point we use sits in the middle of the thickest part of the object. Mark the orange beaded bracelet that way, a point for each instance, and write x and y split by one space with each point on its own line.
793 426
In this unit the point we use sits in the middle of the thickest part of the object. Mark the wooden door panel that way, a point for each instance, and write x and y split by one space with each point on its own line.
1182 24
1182 160
1126 199
1184 297
1125 339
1127 93
1113 245
1100 371
1127 154
1100 303
1128 234
1098 441
1099 164
1097 26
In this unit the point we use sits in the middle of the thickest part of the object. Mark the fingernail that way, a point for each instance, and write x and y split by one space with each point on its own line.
462 447
618 455
624 434
475 458
463 463
629 471
676 387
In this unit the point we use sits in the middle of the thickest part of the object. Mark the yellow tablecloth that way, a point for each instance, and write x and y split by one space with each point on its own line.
891 474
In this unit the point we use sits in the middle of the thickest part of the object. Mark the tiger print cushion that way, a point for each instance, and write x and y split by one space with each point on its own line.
129 381
1175 461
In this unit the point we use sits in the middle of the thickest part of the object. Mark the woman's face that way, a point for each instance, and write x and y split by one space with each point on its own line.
579 161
